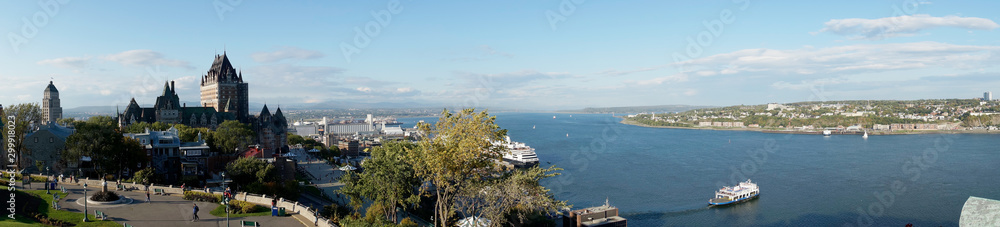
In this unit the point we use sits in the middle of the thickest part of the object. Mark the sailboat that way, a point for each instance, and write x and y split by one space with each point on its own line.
865 136
532 127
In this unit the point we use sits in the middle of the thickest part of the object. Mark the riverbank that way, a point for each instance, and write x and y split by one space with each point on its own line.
780 130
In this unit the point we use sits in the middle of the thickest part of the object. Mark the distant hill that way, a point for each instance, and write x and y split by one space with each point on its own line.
638 109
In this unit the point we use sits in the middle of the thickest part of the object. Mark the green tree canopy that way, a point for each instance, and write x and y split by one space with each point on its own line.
25 115
100 139
231 135
457 150
388 180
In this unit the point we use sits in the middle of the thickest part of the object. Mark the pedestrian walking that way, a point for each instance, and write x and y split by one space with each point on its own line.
147 196
195 218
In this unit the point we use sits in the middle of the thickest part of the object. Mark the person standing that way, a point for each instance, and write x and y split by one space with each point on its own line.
195 217
147 196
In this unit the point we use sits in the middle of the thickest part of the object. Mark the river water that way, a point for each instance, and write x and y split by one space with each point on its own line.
664 177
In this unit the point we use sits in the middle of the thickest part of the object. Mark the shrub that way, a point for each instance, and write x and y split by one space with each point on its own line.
38 179
407 222
50 221
201 196
243 207
107 196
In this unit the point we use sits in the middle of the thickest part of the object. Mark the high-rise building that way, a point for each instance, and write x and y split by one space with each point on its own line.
222 88
987 96
51 111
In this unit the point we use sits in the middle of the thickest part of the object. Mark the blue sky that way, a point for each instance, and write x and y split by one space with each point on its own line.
541 55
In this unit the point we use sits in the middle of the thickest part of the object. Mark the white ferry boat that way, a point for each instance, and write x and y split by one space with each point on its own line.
739 193
827 132
519 154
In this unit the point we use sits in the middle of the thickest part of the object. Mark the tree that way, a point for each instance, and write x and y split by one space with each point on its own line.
510 195
66 121
294 139
25 117
100 139
388 181
457 150
232 135
146 176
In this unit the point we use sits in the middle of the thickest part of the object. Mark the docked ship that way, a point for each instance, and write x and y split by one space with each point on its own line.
519 154
739 193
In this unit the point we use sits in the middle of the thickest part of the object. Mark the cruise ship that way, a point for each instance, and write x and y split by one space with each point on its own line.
519 154
739 193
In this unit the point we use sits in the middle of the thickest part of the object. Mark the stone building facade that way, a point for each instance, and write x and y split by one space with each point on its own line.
223 89
272 131
168 109
51 110
44 147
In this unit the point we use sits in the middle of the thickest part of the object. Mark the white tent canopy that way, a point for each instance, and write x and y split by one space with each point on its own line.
473 222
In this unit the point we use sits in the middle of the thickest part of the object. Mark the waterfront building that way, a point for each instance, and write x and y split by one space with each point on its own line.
599 216
51 110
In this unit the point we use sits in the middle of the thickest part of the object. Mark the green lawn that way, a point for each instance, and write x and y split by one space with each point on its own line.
71 217
18 221
220 211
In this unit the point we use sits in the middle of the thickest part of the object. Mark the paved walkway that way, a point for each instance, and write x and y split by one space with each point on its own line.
167 211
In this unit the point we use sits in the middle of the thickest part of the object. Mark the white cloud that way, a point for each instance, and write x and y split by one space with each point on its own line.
67 62
680 77
294 76
286 53
906 25
364 89
145 58
845 59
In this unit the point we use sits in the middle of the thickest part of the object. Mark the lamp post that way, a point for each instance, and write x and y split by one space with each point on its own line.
225 197
46 180
85 202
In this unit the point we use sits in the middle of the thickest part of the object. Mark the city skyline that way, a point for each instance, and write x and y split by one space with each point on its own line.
527 55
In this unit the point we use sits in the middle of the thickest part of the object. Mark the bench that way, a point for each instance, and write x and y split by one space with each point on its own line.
250 223
100 215
159 191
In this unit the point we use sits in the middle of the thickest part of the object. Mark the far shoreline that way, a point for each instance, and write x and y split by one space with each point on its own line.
780 131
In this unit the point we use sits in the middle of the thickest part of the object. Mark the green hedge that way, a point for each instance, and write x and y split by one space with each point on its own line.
243 207
202 196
